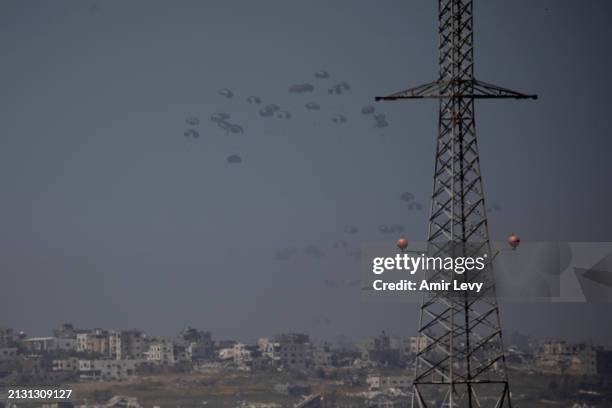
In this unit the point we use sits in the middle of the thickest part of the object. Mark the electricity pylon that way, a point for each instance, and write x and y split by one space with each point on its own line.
460 360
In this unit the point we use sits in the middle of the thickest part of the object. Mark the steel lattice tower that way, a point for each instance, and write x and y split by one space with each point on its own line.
461 360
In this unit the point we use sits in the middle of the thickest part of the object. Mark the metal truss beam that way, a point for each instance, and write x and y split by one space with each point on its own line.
446 89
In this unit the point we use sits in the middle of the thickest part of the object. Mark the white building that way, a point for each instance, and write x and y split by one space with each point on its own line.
107 369
226 354
81 342
160 352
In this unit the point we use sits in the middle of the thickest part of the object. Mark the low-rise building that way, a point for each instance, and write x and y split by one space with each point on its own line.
49 344
160 352
66 364
560 357
107 369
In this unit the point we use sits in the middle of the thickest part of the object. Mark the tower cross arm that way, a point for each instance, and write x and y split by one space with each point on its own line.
457 88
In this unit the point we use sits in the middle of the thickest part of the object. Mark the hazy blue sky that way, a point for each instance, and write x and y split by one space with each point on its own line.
111 217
